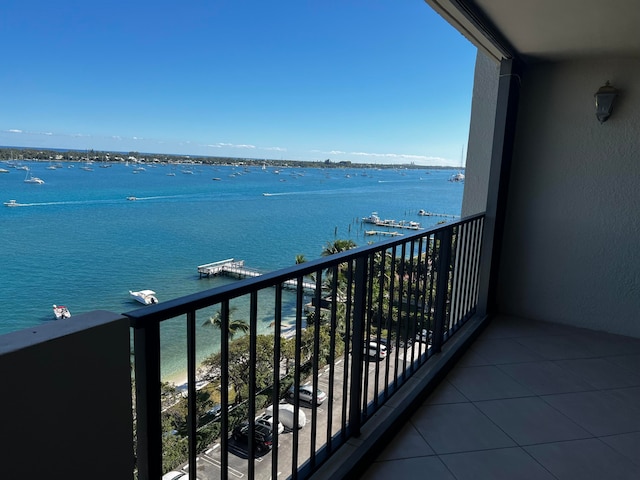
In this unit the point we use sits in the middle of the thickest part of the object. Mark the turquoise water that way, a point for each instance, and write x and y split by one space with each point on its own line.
79 242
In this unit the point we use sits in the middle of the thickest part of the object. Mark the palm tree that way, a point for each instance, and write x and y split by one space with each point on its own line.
300 259
337 246
235 325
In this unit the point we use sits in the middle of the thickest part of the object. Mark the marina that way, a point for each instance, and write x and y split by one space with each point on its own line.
374 219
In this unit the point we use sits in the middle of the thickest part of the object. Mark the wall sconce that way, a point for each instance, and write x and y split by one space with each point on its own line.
604 101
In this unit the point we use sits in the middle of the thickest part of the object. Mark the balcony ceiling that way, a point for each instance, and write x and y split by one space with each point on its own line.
547 29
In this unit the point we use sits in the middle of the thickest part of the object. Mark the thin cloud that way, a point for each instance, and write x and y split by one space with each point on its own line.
14 130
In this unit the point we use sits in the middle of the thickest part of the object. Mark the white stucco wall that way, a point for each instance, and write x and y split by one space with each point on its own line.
483 112
571 250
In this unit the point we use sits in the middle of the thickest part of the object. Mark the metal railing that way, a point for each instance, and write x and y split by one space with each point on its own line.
378 313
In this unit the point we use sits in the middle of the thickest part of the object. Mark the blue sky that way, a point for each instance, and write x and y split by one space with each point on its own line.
384 81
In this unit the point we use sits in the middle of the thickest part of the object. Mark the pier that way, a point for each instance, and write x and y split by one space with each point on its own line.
237 269
383 233
424 213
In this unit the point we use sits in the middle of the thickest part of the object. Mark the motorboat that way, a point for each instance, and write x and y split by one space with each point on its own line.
424 213
373 218
457 177
11 203
132 198
61 312
4 170
145 297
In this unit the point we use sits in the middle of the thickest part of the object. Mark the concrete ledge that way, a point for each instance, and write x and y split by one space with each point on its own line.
357 454
67 399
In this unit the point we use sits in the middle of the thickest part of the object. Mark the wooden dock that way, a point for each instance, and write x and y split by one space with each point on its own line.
236 268
383 233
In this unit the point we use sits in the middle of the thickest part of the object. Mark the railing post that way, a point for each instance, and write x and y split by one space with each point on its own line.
443 244
148 404
359 303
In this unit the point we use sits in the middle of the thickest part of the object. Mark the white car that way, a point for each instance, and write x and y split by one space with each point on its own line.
375 350
424 336
175 475
266 419
306 394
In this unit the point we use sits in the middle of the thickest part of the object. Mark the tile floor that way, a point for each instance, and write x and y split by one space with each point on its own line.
529 400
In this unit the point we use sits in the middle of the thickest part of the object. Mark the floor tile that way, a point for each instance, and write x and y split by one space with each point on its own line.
544 378
422 467
501 464
446 393
627 444
605 412
600 373
458 427
530 420
486 383
585 460
407 443
503 350
556 347
629 362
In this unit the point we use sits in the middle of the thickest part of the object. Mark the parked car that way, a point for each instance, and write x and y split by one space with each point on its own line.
375 350
389 343
425 336
306 394
286 417
175 475
262 436
266 419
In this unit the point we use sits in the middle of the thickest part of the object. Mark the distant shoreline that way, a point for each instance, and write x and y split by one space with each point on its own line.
8 153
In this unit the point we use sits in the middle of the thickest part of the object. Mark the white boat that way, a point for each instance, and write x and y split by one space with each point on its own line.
145 297
458 177
61 312
4 170
30 179
11 203
373 218
132 198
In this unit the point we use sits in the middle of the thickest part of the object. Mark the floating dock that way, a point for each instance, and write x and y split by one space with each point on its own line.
383 233
424 213
236 268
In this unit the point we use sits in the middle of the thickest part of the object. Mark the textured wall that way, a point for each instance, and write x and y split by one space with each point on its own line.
573 231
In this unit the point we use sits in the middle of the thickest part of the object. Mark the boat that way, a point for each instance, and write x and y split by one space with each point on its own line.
4 170
30 179
145 297
457 177
424 213
61 312
373 218
12 203
132 198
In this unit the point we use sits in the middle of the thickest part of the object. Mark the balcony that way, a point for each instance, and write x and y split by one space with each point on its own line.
527 400
455 394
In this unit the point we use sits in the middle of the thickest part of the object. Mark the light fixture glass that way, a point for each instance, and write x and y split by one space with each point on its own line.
604 101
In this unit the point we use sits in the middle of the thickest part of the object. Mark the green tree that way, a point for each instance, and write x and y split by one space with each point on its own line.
235 325
337 246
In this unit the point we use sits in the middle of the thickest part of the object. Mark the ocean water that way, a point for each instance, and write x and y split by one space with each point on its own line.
79 242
